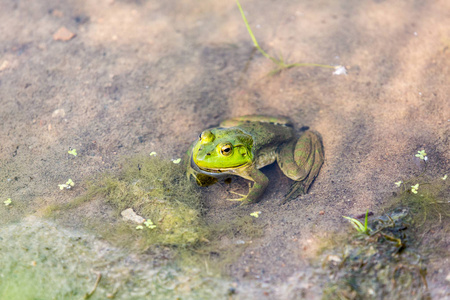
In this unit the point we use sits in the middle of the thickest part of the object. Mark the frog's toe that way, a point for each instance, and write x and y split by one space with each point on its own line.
243 197
204 180
297 189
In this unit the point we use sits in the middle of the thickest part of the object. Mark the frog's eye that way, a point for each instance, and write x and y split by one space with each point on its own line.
226 150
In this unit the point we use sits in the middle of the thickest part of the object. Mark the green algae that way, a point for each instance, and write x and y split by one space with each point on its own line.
392 261
84 249
385 264
159 190
430 206
40 260
155 189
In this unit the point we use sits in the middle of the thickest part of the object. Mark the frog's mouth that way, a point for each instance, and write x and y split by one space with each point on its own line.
222 170
215 171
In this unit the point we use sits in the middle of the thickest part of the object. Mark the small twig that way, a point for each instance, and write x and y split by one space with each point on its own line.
88 295
393 239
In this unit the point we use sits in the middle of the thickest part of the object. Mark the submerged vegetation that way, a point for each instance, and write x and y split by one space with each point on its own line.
390 259
43 261
359 226
183 256
170 208
281 64
385 264
425 195
157 190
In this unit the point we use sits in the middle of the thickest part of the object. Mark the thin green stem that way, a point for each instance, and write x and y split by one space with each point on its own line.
310 65
280 62
255 42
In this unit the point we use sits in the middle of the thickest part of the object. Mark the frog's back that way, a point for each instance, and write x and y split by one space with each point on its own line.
256 118
267 132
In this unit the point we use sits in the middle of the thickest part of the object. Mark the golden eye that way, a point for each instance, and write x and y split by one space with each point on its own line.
226 150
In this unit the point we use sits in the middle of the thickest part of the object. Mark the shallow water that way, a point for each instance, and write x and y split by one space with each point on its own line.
144 76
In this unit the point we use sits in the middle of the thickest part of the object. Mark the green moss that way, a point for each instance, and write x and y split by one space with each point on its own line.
13 212
391 262
430 205
40 260
385 264
157 189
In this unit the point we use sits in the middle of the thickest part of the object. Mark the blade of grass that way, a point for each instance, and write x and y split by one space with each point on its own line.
357 224
255 42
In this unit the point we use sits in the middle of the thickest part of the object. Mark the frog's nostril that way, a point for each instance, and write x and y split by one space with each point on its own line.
208 153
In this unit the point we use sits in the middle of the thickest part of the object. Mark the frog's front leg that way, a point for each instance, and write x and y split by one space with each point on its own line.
260 182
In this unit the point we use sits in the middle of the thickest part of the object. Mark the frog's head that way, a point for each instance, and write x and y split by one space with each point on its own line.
221 149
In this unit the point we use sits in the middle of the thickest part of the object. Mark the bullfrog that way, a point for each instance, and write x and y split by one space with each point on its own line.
243 145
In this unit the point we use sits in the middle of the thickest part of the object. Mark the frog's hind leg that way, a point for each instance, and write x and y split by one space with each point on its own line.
301 161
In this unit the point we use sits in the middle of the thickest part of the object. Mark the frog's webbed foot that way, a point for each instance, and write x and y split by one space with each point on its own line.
200 179
244 198
297 189
204 180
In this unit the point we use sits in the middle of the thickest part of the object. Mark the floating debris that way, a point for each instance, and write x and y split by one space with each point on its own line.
63 34
73 152
255 214
68 185
414 188
340 70
421 154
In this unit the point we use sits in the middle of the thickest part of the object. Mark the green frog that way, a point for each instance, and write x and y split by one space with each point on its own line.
243 145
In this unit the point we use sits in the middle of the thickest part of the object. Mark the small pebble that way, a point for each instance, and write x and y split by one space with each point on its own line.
129 215
63 34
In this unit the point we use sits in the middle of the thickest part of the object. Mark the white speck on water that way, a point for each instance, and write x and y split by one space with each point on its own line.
420 94
340 70
415 33
60 112
258 26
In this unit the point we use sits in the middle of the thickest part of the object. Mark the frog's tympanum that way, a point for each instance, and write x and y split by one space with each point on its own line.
243 145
